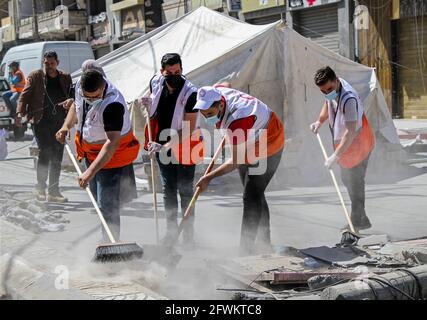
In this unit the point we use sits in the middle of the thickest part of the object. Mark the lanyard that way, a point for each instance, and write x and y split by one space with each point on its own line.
335 113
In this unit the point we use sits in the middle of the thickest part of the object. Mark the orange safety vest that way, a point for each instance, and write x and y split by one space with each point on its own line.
187 152
125 154
275 140
361 147
19 87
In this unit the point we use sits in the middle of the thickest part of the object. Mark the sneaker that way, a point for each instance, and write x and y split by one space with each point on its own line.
40 195
58 198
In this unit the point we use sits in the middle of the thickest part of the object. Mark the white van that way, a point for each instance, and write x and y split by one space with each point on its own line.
71 55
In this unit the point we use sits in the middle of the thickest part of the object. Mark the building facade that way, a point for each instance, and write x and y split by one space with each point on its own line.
389 35
263 11
105 24
393 39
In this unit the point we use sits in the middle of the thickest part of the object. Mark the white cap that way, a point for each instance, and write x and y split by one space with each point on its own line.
206 96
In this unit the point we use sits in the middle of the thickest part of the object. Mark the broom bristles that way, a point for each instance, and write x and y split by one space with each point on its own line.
116 252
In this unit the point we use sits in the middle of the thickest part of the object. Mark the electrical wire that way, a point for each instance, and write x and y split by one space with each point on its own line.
390 285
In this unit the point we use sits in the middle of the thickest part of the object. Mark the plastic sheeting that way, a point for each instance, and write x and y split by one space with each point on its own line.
272 62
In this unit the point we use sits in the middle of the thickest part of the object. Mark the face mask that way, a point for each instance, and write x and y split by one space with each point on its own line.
331 95
211 121
175 81
93 103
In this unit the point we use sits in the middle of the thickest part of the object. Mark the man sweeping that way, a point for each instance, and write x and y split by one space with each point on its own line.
256 138
105 140
173 122
128 184
352 135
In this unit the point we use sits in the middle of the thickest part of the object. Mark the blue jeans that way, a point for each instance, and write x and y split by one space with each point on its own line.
177 178
11 99
105 187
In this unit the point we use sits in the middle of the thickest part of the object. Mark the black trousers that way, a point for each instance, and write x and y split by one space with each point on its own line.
50 155
256 214
354 181
177 178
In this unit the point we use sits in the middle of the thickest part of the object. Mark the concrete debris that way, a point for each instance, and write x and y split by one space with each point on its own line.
288 295
323 281
31 215
414 253
379 239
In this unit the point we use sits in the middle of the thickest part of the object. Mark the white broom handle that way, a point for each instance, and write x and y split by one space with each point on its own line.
336 186
153 179
95 205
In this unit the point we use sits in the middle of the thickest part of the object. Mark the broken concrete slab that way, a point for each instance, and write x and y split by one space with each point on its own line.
415 250
379 239
22 282
304 277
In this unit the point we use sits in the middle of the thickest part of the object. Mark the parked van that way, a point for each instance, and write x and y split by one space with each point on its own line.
71 55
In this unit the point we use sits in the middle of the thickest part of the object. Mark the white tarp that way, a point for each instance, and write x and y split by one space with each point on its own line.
272 62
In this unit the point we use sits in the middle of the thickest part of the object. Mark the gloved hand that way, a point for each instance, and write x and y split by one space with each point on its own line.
146 102
331 160
314 127
154 147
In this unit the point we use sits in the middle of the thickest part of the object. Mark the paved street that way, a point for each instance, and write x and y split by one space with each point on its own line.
300 217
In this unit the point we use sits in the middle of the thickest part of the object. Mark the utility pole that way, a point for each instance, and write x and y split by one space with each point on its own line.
186 8
16 19
36 35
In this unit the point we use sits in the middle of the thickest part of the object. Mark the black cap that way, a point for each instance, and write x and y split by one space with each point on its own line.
14 64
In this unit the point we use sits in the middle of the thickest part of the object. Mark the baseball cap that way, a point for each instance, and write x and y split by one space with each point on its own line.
206 96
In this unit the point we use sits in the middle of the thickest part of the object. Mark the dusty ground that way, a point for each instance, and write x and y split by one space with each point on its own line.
66 235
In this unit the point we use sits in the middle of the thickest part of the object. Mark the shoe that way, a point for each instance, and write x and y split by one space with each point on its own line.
57 198
41 195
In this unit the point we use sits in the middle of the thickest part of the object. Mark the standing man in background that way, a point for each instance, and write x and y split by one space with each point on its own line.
40 101
173 98
352 135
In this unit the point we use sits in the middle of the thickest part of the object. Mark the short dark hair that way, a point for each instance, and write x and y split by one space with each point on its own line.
50 54
91 80
14 64
169 59
324 75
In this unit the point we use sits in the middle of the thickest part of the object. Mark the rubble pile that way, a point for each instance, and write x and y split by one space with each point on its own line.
31 214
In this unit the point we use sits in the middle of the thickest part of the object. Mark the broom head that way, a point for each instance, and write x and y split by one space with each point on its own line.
116 252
